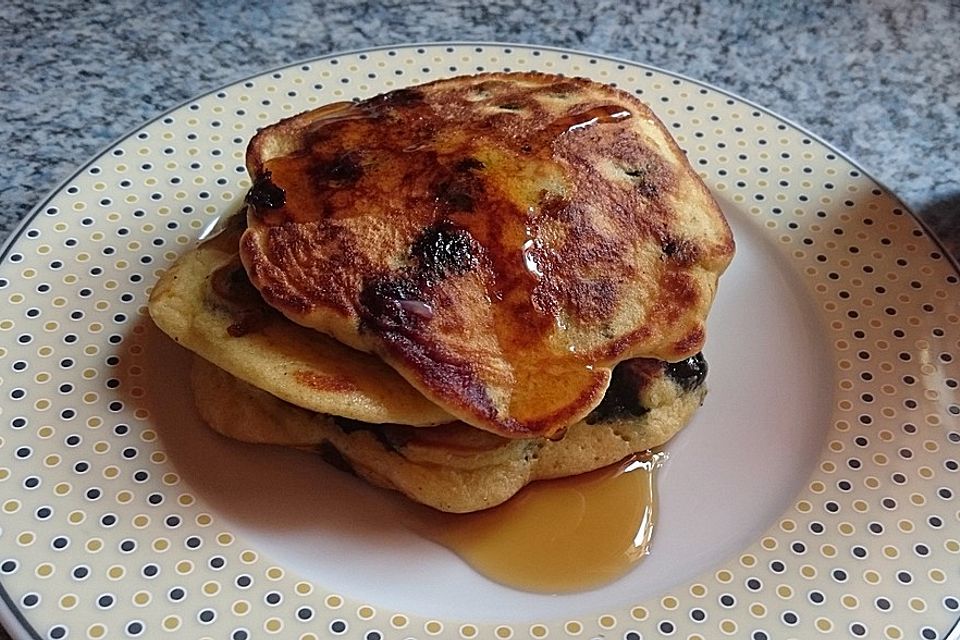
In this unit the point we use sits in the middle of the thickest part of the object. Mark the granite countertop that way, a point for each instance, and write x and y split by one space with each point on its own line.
878 79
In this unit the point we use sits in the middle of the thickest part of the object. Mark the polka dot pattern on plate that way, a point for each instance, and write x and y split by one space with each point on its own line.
100 536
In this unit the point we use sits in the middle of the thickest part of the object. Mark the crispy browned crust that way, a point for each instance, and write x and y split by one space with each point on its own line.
501 240
452 467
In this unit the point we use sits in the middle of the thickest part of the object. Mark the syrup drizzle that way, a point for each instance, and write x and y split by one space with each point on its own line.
382 146
558 536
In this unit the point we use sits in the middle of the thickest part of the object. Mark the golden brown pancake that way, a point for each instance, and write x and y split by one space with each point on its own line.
501 240
206 304
455 467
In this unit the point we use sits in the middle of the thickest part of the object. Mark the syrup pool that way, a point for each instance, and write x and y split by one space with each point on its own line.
557 536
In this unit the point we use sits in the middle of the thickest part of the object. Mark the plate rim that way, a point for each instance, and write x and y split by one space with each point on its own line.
9 611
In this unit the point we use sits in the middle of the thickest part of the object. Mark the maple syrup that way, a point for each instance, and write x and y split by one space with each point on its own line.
444 170
557 536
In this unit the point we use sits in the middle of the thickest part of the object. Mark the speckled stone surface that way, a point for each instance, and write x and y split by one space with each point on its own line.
878 79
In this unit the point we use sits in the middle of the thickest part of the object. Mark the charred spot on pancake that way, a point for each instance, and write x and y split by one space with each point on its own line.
510 106
469 164
264 194
444 249
399 98
680 250
690 373
392 303
623 395
344 169
458 193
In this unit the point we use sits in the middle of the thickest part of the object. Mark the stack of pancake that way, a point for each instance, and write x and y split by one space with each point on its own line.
457 288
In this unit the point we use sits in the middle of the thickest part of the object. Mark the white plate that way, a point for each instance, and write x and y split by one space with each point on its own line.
815 494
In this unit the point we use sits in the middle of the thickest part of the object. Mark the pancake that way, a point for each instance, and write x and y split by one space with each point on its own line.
455 467
205 303
502 240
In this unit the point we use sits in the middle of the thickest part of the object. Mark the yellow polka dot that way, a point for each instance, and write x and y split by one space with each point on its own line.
850 601
860 506
639 613
249 556
161 544
275 573
893 632
308 636
669 603
808 571
748 560
891 552
45 570
824 625
698 590
846 529
124 496
757 610
433 627
96 630
504 633
366 612
607 622
399 621
111 472
906 526
770 544
224 539
828 551
68 601
788 525
26 538
871 576
211 588
204 519
538 631
728 627
918 605
273 625
171 623
142 598
952 546
62 488
185 567
94 545
937 576
333 602
46 432
11 506
724 576
116 572
468 631
573 628
240 607
303 588
785 591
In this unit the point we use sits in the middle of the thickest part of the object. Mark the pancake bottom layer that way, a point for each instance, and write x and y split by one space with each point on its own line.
452 467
